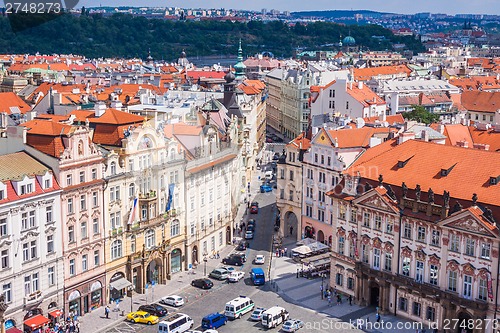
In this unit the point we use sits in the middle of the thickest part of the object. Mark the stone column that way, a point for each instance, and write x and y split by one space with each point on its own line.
359 288
3 308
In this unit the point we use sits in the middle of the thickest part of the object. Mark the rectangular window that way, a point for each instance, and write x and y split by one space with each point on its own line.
94 174
419 271
421 234
342 211
72 267
24 221
339 279
33 250
95 226
341 245
435 238
83 230
417 309
3 227
485 250
403 304
50 243
71 234
406 266
5 259
431 314
32 220
454 243
82 176
95 199
389 226
27 285
51 276
84 263
69 180
364 253
388 262
407 231
7 291
220 239
70 205
433 275
34 282
46 184
354 215
470 244
282 194
378 222
366 220
452 281
291 175
376 258
96 258
48 214
26 252
483 291
352 248
467 286
83 202
350 283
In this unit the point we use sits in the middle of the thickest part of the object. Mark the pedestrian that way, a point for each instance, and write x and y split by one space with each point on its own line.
377 317
339 299
350 299
329 300
106 311
218 255
285 252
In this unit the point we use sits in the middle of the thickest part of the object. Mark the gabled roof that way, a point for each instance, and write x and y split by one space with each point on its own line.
473 220
10 103
300 142
481 101
17 165
364 74
349 138
46 127
364 95
116 117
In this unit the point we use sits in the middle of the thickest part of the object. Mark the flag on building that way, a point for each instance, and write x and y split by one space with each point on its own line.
133 211
171 188
490 286
355 240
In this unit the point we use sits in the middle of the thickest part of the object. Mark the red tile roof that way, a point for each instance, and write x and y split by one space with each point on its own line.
9 101
300 142
364 74
356 137
481 101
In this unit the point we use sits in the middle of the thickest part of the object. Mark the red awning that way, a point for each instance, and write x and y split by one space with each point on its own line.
56 313
36 322
13 330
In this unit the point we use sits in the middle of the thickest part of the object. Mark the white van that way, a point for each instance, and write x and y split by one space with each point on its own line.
238 307
268 175
176 323
274 316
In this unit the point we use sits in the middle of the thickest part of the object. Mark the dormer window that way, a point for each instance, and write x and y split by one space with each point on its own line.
402 163
446 172
494 180
113 168
25 189
47 183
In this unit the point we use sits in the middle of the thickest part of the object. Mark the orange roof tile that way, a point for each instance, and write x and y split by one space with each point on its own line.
356 137
9 101
481 101
364 74
424 168
300 142
365 95
46 127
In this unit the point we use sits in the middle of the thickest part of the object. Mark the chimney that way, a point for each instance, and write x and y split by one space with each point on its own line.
440 128
405 136
462 143
99 109
425 136
360 85
481 146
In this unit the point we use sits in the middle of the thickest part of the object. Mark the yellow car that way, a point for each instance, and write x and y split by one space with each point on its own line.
142 317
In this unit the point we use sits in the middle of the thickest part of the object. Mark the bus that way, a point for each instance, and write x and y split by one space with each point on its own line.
274 316
238 307
176 323
258 277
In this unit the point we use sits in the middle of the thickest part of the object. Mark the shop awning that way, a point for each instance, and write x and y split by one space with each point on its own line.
36 322
56 313
120 284
13 330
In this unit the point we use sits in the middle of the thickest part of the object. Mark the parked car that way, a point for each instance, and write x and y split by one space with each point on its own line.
173 300
232 260
242 246
154 309
213 320
202 283
142 317
254 210
254 203
251 227
257 314
265 188
292 325
229 269
269 140
260 259
236 276
251 222
249 235
219 274
240 254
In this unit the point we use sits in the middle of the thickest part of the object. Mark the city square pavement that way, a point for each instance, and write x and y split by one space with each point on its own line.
307 293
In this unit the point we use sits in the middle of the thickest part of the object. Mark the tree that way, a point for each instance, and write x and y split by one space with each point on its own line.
420 114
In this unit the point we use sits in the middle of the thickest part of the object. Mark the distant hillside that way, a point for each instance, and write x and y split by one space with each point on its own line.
123 35
332 14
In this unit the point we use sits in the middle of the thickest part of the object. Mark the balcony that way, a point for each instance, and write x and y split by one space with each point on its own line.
33 298
146 197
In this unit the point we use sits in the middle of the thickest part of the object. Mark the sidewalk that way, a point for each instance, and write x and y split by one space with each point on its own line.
307 293
96 321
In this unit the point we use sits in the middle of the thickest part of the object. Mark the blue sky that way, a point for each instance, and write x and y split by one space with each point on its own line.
398 6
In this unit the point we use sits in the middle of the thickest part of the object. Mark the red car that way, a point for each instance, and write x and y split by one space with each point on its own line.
254 210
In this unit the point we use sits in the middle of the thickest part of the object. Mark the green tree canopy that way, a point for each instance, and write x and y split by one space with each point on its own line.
420 114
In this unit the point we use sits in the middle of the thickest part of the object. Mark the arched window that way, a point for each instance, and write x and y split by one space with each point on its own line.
172 154
149 238
132 244
116 249
131 190
175 228
112 167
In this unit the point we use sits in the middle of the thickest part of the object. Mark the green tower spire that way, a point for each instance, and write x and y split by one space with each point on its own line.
240 67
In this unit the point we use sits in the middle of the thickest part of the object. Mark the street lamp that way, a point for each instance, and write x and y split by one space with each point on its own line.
130 289
322 281
205 259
